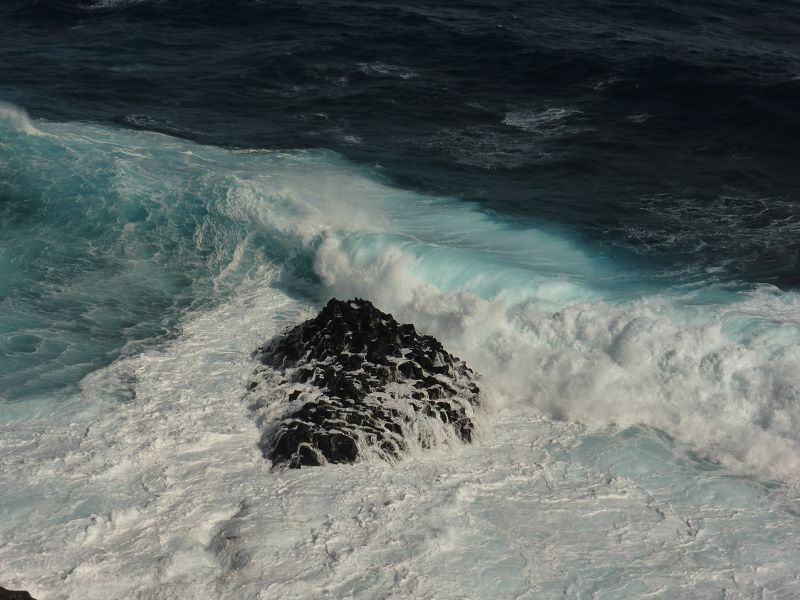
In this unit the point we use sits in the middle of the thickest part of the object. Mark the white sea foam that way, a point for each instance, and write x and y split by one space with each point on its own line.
720 377
554 325
386 70
497 147
488 147
107 4
547 122
135 490
639 118
149 483
18 119
162 493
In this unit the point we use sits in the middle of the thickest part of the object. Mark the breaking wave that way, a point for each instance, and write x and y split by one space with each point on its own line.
156 226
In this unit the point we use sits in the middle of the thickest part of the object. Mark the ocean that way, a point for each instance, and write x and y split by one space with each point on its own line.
594 204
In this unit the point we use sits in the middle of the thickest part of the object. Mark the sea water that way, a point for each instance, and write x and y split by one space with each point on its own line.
620 271
628 446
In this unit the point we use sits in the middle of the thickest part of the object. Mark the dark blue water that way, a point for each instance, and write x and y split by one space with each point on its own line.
595 204
663 136
667 131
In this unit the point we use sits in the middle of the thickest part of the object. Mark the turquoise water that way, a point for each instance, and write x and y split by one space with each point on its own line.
651 416
593 203
111 235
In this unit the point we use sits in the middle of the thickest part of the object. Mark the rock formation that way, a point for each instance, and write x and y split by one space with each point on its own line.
14 595
353 379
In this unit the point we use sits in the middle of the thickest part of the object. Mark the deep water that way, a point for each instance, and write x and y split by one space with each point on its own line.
594 204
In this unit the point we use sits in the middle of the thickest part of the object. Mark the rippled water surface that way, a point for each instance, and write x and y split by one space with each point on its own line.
594 204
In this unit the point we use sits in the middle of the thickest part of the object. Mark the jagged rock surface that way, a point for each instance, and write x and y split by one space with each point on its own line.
355 378
14 595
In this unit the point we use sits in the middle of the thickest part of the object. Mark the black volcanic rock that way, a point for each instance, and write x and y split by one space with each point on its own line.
352 378
14 595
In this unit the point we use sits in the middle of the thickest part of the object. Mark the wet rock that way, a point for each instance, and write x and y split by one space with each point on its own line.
352 378
14 595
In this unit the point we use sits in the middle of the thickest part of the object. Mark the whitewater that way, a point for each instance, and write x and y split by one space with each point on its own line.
639 437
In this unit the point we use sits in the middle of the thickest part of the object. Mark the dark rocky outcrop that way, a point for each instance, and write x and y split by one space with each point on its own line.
353 378
14 595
